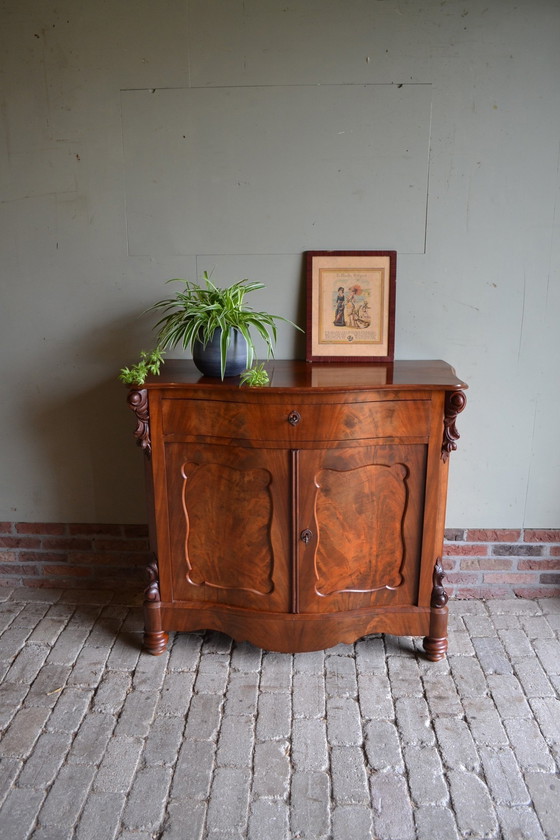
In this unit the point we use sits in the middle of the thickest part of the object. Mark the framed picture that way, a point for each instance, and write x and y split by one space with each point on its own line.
351 306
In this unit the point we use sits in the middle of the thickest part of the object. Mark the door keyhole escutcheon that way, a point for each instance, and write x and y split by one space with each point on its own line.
306 535
294 417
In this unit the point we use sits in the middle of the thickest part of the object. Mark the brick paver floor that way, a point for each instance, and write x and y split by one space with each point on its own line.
216 740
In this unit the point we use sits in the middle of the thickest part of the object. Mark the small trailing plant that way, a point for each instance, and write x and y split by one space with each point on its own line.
150 362
256 376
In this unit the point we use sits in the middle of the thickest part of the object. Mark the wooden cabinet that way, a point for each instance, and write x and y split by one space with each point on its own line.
303 514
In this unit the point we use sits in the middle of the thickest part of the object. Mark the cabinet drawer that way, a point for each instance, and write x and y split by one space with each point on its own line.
293 422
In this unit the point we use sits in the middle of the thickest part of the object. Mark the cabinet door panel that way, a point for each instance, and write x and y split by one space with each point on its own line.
364 509
227 542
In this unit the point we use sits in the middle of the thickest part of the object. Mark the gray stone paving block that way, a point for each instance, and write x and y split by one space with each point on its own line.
176 693
506 622
235 743
441 694
204 718
111 692
67 796
93 736
212 674
276 672
70 709
9 770
150 672
229 799
12 641
8 611
548 651
104 633
370 655
351 821
19 812
503 777
185 652
519 824
508 696
119 764
125 652
271 769
460 643
145 807
194 769
344 724
468 675
30 615
529 745
382 745
491 655
547 713
479 625
387 790
26 593
456 744
52 832
516 643
537 627
241 694
268 820
349 777
27 664
137 713
310 805
246 657
433 823
466 607
89 666
11 698
18 740
374 696
308 695
309 744
48 630
404 675
484 721
46 759
184 821
274 715
68 645
215 642
48 685
425 776
414 721
545 794
101 817
164 740
533 679
310 663
513 606
340 676
133 620
474 810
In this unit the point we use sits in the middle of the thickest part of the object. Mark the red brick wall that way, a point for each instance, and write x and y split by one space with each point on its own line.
478 563
499 563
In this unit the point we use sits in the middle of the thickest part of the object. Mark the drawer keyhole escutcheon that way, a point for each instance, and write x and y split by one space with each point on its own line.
306 535
294 417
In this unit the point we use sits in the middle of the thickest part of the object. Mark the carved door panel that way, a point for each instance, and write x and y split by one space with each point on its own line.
228 538
360 525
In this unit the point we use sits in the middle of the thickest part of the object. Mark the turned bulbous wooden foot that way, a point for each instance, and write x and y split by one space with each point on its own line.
156 642
435 648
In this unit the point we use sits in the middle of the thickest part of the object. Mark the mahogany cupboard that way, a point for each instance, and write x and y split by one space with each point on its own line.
303 514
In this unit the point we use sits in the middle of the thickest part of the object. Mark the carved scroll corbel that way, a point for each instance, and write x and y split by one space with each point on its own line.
439 595
151 593
455 401
138 402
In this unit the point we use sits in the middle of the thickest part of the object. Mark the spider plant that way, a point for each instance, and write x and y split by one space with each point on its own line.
196 312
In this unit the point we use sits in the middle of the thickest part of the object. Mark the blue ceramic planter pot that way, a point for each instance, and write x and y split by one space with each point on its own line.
207 359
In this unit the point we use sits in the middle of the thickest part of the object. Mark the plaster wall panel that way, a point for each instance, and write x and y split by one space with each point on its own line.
276 169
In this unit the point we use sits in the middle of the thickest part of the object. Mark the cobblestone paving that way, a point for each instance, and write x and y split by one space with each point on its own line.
219 741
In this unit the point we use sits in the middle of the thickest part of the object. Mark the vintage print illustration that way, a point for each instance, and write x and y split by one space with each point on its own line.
351 306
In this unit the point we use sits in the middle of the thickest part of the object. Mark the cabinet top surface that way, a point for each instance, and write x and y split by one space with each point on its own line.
289 375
